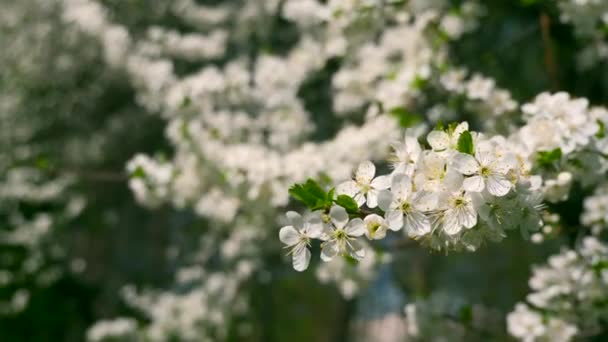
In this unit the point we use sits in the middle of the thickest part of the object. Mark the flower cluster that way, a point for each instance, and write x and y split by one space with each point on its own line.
569 297
464 189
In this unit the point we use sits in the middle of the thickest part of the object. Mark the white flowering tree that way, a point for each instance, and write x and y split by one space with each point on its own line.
417 157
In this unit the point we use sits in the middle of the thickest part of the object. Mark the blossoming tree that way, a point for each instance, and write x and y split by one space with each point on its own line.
389 146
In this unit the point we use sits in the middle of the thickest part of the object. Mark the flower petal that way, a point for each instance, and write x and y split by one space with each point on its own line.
417 224
439 140
426 201
356 250
338 216
366 171
465 163
314 227
467 216
372 198
360 199
349 188
451 226
329 250
498 185
301 258
385 198
381 182
394 219
295 219
473 184
355 227
289 235
401 186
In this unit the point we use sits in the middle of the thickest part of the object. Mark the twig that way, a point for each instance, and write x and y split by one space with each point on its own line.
550 62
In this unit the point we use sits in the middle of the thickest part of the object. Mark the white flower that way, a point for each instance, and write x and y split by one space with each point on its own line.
525 324
406 156
441 140
341 237
375 227
486 170
460 212
480 88
364 185
403 207
297 237
434 174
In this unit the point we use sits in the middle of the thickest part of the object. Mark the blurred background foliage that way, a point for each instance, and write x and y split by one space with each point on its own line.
64 112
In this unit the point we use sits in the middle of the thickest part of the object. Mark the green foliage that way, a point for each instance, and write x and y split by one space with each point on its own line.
601 133
547 159
350 260
138 173
466 314
312 195
405 117
465 143
347 203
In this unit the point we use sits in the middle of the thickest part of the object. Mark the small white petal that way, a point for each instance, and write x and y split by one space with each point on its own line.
360 199
394 219
289 235
426 201
381 182
366 171
465 164
372 198
357 250
356 227
338 216
329 251
467 216
452 180
463 126
401 186
314 227
301 258
498 185
451 225
506 163
439 140
295 219
485 156
385 198
417 224
473 184
349 188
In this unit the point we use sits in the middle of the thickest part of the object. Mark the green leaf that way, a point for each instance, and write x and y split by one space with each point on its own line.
406 118
418 82
186 102
549 158
331 194
312 195
347 203
601 133
452 127
439 126
466 314
465 143
350 260
43 164
138 173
